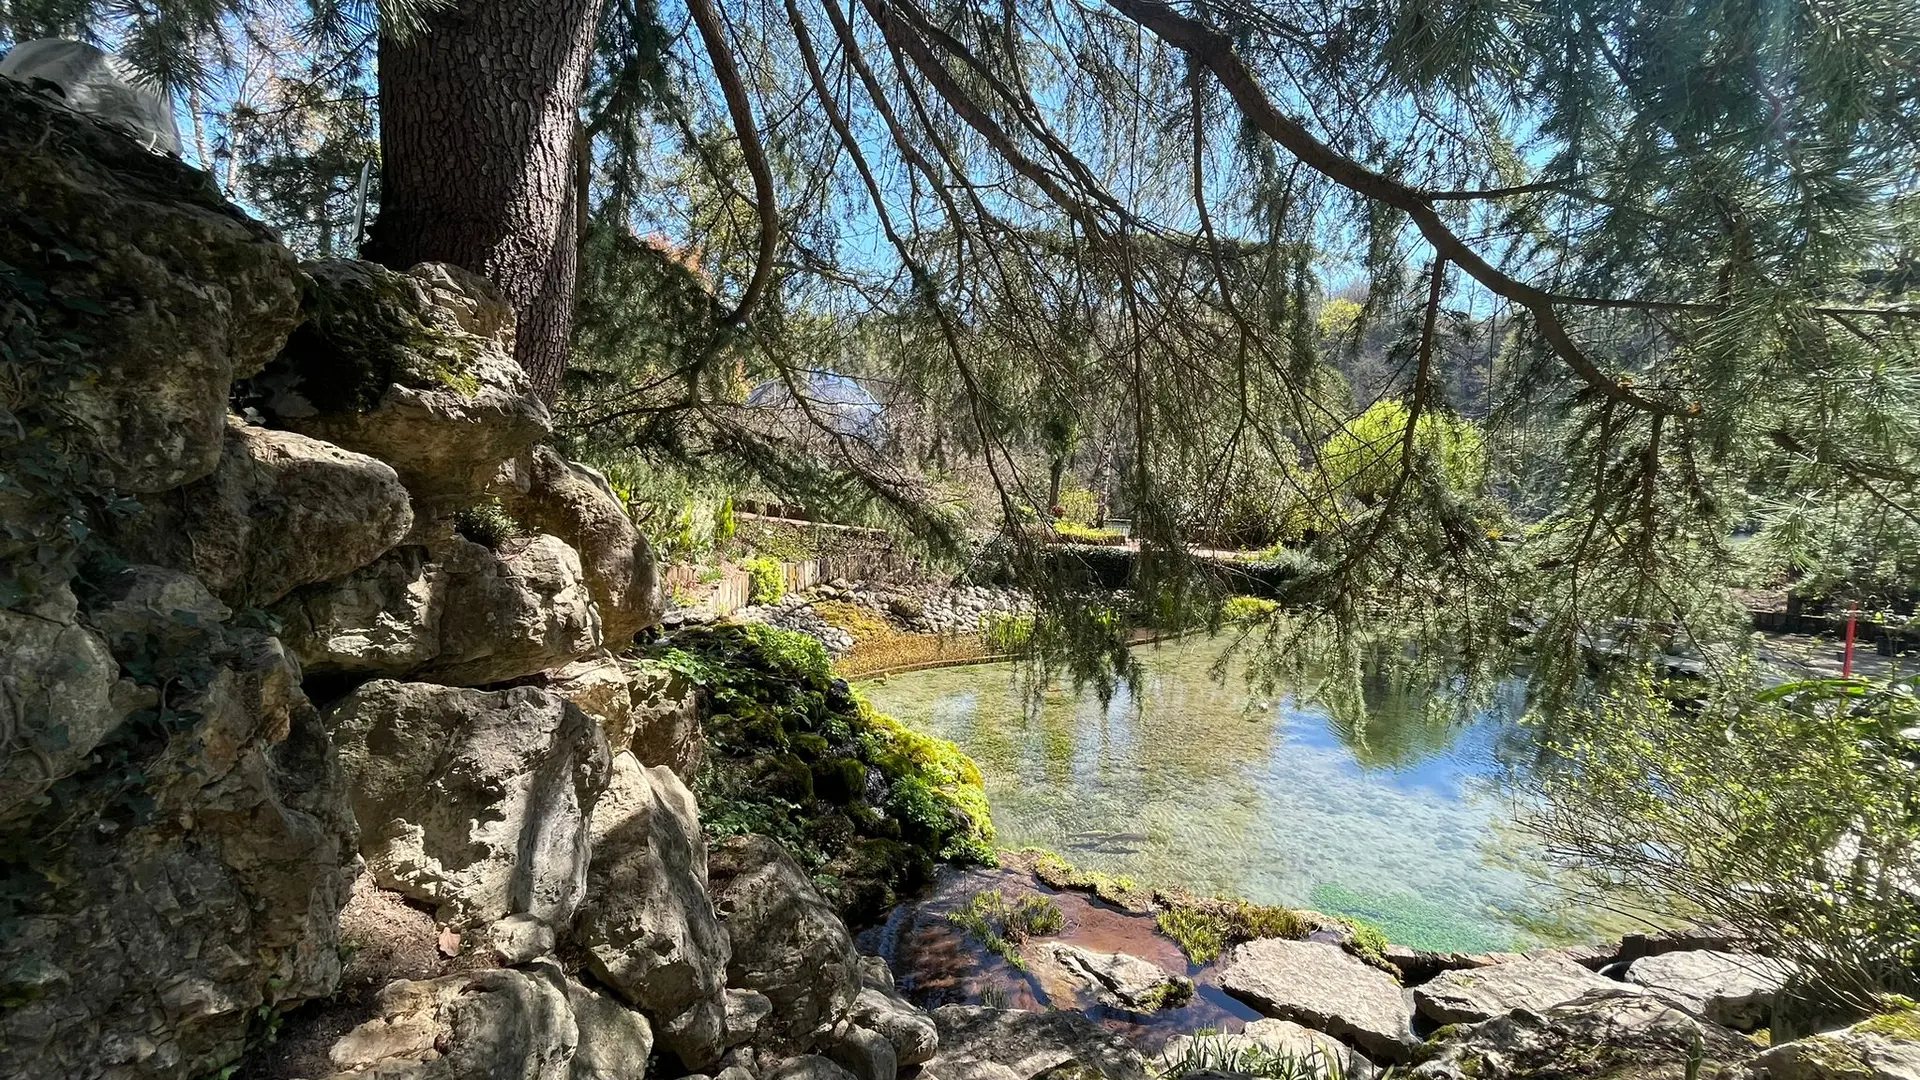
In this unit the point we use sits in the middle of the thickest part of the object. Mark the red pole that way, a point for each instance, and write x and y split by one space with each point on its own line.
1846 664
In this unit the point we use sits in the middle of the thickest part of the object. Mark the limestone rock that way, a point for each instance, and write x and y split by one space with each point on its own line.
1732 989
666 719
809 1067
474 802
1123 981
1470 996
746 1013
614 1039
280 511
879 1006
1879 1048
603 689
573 501
511 612
498 1022
1279 1038
788 942
648 924
171 290
168 908
415 369
1323 987
866 1054
1607 1035
980 1042
60 694
382 619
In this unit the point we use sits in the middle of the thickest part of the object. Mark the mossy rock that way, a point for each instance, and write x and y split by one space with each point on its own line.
788 777
810 746
839 780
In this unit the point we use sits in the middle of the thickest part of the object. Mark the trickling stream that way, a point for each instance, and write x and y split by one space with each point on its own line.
1186 780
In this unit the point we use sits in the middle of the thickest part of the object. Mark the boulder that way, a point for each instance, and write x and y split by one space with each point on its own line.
1885 1047
1123 981
666 719
615 1041
383 619
788 942
1607 1035
746 1014
280 511
105 87
497 1022
1323 987
866 1054
648 925
171 291
511 612
1470 996
880 1007
1734 990
1324 1054
474 802
978 1042
602 689
548 493
60 694
809 1067
414 368
167 905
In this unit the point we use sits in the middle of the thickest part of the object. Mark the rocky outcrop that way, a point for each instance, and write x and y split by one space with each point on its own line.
546 492
382 619
648 926
280 511
170 291
167 905
415 369
1125 982
865 1053
980 1042
1470 996
511 612
1613 1035
1323 1054
1735 990
498 1022
1885 1047
1323 987
60 694
788 943
666 719
615 1041
474 802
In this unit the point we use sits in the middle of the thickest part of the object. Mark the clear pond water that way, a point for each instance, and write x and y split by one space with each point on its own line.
1189 779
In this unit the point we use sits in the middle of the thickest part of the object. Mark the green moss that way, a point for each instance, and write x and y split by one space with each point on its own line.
810 746
1900 1022
840 780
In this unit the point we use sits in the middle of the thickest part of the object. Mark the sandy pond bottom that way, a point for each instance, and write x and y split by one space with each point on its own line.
1186 779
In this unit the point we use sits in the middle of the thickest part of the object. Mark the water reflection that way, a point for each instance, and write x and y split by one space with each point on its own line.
1189 778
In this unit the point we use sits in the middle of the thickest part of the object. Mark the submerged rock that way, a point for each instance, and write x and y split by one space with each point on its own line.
1733 989
1323 987
1470 996
1609 1035
474 802
1123 981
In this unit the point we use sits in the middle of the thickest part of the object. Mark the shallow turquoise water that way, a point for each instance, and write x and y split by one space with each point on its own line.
1188 779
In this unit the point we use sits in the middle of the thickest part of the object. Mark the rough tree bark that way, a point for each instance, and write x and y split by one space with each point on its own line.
477 118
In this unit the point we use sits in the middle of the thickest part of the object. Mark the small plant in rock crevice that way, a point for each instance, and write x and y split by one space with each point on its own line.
1211 1052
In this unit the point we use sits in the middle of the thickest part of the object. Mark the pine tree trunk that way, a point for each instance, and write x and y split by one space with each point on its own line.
477 120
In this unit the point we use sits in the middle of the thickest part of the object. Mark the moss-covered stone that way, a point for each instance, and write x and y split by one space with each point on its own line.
840 780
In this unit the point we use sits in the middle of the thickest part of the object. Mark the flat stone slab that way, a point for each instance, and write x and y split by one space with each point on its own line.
1539 984
1325 988
992 1043
1734 989
1125 981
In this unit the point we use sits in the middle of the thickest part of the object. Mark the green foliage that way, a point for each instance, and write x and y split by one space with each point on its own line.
1247 609
1205 929
1057 873
1006 633
861 622
487 523
1084 534
795 754
1364 458
724 525
1211 1052
1078 507
1788 815
766 580
1002 926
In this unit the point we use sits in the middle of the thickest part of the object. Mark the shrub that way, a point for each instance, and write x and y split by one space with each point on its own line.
1363 459
1005 633
487 524
1247 609
766 580
1078 506
1083 534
